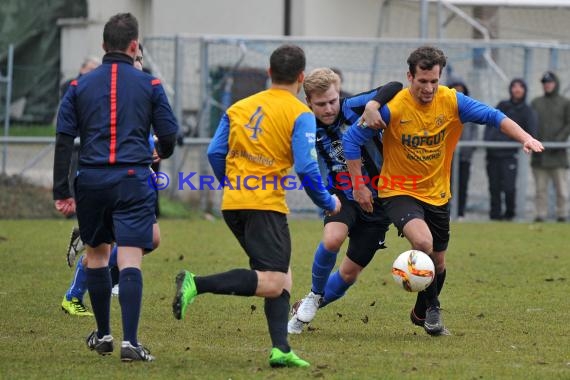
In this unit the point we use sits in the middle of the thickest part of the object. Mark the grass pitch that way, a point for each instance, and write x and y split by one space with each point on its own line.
505 301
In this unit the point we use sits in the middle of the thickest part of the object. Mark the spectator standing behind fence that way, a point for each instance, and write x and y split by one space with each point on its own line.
470 133
89 64
553 111
502 163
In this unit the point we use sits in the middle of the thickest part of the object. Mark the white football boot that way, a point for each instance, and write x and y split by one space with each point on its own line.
295 326
308 307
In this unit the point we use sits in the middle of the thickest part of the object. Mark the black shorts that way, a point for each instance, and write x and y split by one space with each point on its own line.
403 208
366 231
265 237
115 204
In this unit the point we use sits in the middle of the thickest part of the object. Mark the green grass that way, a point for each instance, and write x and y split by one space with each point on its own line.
33 130
171 208
505 301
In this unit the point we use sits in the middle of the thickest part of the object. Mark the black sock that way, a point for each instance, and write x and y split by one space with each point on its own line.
420 306
431 294
239 282
422 301
440 280
277 313
114 275
130 297
99 287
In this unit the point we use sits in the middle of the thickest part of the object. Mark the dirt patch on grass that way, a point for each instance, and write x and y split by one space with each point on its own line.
21 199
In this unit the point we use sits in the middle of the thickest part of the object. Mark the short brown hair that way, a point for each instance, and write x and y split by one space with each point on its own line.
286 63
426 57
119 31
320 80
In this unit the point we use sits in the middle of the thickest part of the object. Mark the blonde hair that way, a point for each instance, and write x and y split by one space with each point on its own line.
320 80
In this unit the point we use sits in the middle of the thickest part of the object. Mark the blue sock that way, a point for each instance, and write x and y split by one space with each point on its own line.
78 285
99 286
113 257
130 297
335 288
323 264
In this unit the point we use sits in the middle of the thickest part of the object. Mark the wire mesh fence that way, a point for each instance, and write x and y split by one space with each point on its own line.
203 75
215 71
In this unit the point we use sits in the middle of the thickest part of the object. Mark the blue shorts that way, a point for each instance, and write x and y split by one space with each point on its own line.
115 205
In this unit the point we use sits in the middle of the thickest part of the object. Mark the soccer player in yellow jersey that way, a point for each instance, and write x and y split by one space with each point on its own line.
423 124
257 142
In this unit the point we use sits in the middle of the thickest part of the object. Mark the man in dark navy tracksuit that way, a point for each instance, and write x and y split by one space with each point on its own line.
111 109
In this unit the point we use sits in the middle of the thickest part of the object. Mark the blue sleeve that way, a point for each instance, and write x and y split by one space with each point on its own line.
218 148
356 136
353 106
163 120
151 142
305 158
66 116
474 111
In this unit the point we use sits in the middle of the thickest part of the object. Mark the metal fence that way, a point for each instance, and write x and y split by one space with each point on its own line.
204 75
32 158
208 73
7 95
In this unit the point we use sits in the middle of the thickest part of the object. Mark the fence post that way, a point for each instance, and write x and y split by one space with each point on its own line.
175 160
522 186
204 122
553 59
8 81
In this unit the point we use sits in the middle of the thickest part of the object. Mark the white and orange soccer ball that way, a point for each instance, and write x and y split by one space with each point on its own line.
413 271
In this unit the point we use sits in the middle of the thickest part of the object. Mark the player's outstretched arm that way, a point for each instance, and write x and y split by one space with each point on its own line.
510 128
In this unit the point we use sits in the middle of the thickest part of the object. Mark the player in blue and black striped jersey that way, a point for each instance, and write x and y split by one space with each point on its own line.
366 230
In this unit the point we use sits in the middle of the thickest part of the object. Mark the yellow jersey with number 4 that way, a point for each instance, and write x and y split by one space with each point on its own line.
259 150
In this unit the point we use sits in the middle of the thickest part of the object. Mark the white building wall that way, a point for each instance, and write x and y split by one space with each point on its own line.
337 18
330 18
216 17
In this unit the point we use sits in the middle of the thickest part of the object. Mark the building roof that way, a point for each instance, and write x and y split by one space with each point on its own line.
510 3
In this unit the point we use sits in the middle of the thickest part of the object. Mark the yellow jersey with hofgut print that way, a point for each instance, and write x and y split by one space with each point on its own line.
259 150
418 147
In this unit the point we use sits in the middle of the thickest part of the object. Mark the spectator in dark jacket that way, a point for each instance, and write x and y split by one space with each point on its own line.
470 133
553 112
502 163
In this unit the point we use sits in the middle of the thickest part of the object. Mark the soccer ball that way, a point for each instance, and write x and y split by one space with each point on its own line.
413 270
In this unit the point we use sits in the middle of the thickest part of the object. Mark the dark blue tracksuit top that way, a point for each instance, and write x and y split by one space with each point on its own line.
112 109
